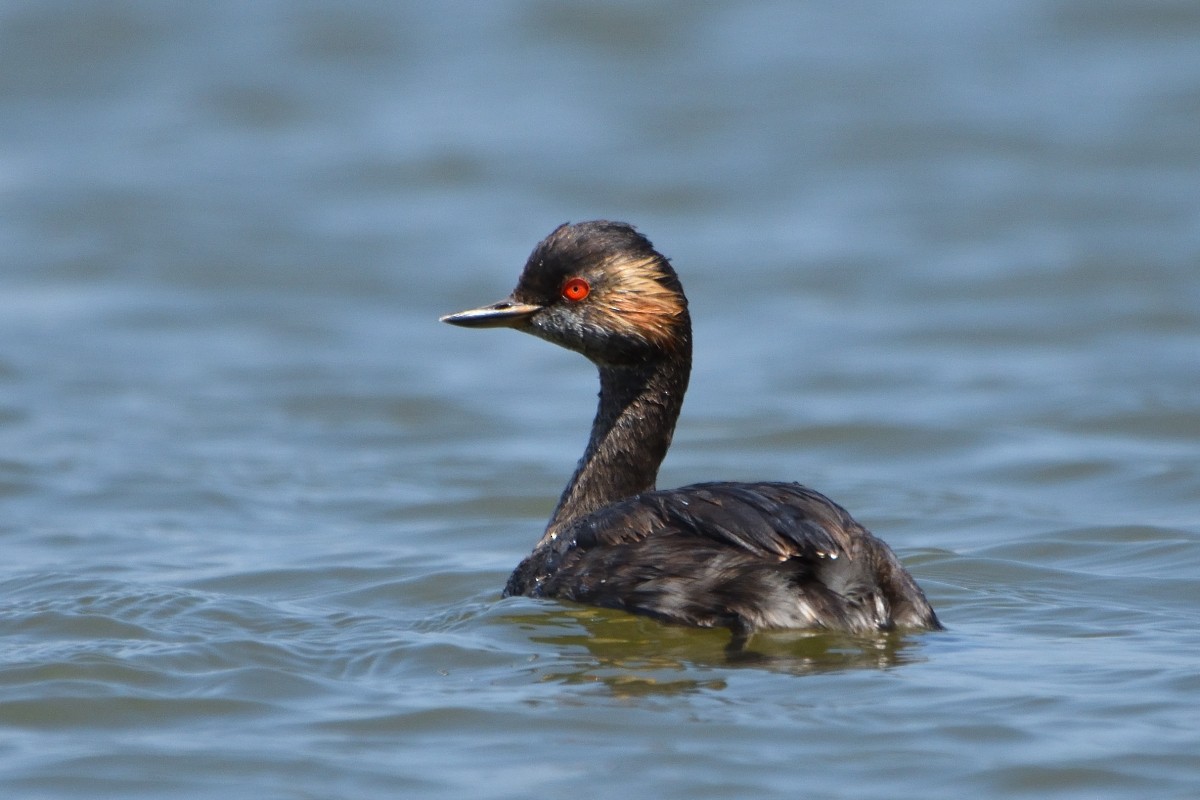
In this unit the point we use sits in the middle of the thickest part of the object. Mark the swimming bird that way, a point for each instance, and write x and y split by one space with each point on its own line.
746 556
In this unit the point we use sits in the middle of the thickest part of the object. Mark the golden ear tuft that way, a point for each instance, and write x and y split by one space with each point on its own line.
638 304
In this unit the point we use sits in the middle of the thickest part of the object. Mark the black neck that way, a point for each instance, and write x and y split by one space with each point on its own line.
630 436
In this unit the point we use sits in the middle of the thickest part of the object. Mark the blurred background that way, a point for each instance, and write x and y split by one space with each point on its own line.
256 505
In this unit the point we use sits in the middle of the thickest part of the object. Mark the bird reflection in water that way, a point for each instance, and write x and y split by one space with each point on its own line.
633 655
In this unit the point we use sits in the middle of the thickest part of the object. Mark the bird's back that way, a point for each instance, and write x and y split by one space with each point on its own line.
748 556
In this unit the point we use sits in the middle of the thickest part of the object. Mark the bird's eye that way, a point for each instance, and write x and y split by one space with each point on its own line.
576 289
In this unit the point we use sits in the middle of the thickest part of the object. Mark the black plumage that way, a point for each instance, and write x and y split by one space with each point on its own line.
747 556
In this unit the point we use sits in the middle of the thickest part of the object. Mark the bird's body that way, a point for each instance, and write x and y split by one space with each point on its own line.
748 556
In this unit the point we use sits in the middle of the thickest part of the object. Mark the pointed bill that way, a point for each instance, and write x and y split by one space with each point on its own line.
505 314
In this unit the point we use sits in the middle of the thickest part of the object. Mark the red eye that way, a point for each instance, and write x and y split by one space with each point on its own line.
576 289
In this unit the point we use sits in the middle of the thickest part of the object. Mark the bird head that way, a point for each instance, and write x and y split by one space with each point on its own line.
598 288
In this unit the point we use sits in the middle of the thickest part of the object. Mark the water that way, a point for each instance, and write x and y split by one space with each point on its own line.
257 505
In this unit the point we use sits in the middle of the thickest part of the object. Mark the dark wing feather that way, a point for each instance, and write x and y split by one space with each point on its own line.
769 520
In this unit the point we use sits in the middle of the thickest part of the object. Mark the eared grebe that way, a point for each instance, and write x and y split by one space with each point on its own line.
748 556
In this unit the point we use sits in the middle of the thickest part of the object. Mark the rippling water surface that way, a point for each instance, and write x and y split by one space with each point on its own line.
256 505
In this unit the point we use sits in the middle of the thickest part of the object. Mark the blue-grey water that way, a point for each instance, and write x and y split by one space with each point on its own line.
256 504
